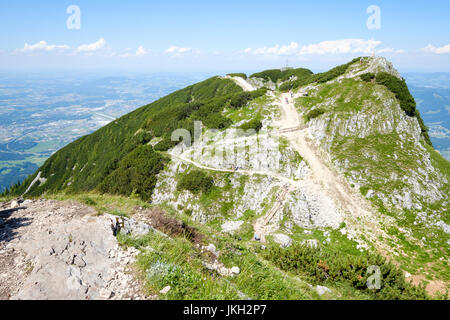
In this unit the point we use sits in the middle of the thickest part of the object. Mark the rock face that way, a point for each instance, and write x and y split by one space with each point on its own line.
63 251
283 240
14 204
380 132
231 226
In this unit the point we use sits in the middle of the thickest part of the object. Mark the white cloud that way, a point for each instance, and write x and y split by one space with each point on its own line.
432 49
42 46
89 48
390 50
341 47
178 50
141 51
276 50
344 46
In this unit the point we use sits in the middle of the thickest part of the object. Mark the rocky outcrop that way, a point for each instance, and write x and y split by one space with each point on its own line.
63 251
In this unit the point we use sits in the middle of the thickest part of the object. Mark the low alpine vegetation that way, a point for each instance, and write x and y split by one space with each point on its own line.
326 265
240 75
305 78
196 182
254 124
314 114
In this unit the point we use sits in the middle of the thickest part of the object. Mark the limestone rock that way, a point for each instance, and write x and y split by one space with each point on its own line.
165 290
231 226
321 290
14 204
283 240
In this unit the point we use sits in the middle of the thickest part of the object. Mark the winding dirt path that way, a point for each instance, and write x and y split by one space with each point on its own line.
323 181
244 172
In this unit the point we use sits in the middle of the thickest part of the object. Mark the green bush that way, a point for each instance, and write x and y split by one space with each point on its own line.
269 75
276 74
241 75
305 78
254 124
327 265
165 144
314 114
367 77
217 121
196 182
240 100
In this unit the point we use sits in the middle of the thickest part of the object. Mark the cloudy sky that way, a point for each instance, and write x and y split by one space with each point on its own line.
221 35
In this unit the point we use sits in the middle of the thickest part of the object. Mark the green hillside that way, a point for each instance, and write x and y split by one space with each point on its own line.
358 129
104 160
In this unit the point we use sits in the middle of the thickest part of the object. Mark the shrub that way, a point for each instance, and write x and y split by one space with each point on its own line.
305 78
367 77
275 75
165 144
217 121
400 89
314 114
254 124
269 75
240 100
241 75
143 137
327 265
196 182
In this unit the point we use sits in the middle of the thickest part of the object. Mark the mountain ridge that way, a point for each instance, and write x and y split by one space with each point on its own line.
339 141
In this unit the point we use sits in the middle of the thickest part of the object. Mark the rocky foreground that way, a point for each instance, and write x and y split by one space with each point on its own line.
62 251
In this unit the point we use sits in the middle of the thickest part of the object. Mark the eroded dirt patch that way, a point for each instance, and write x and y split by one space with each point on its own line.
158 219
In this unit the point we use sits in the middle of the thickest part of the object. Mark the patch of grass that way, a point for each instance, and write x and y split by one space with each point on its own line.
175 263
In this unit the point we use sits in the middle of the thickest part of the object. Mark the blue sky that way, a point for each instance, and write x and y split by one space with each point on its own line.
221 35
